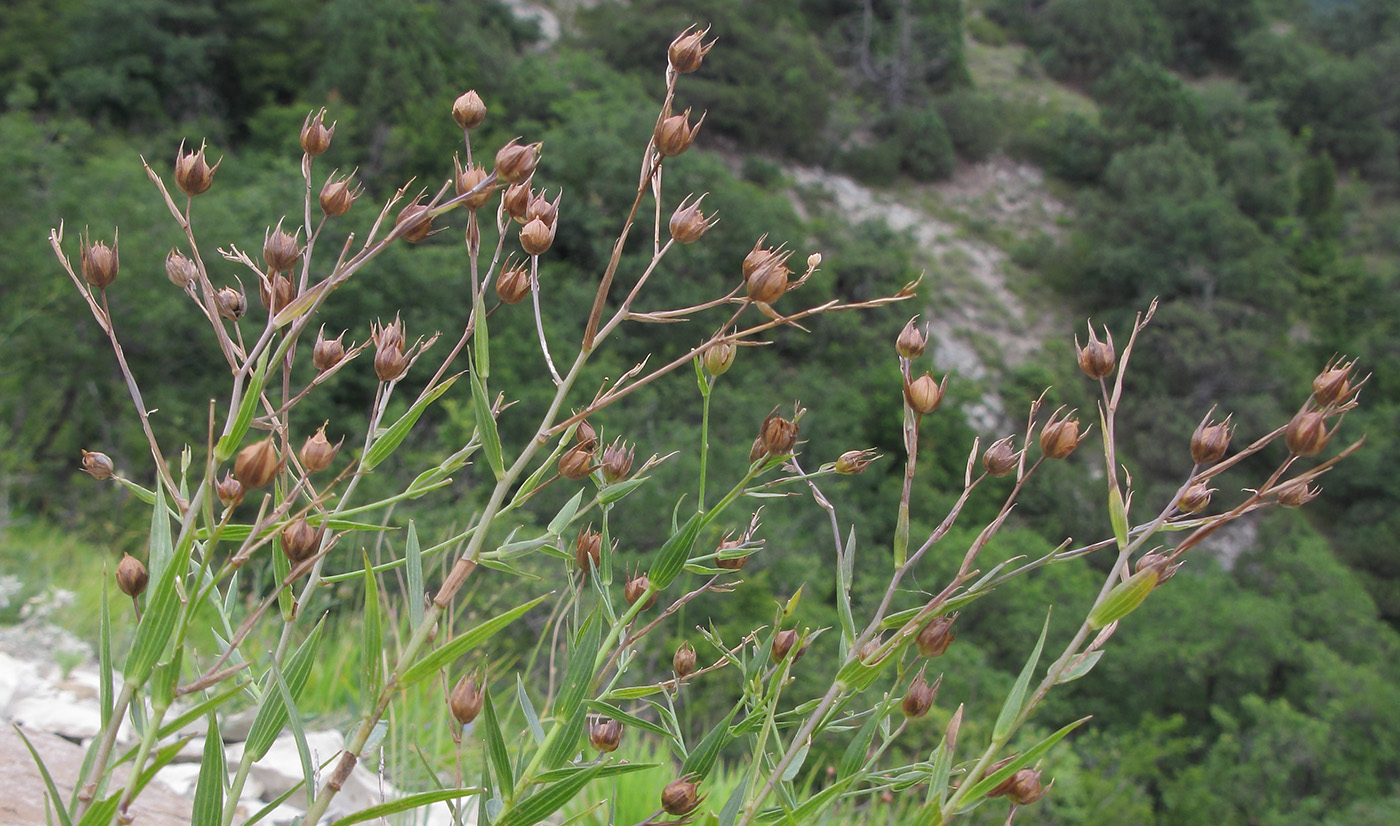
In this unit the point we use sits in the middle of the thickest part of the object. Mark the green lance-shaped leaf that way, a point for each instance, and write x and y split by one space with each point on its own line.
550 799
281 567
481 337
162 758
1082 665
244 415
158 622
1124 598
413 554
853 758
209 789
406 803
568 705
566 514
609 770
615 492
55 798
102 812
298 732
496 750
1011 709
702 760
1022 760
460 645
630 720
528 708
390 440
105 696
373 639
811 807
272 715
670 560
1118 516
160 548
486 426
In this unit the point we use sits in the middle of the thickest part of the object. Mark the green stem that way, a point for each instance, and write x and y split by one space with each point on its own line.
705 391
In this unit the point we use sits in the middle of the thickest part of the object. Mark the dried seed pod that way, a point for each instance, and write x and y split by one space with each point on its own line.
317 452
1096 358
181 271
131 576
229 490
466 701
536 237
1161 563
280 249
778 435
933 640
756 257
688 223
605 735
585 436
1333 385
919 699
636 588
911 341
674 134
230 303
924 394
257 465
617 461
855 461
870 652
99 263
517 201
414 224
468 110
1307 434
688 50
732 563
194 175
1022 788
338 196
1060 437
1297 495
1000 459
315 136
390 362
515 162
680 797
769 280
576 463
683 662
300 541
1195 498
544 209
588 549
783 641
276 292
328 352
97 465
1210 441
470 179
513 284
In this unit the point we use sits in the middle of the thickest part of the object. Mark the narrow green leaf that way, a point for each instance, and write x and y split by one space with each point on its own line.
700 761
531 718
161 548
901 535
405 803
486 426
298 733
564 745
1118 516
238 533
548 800
229 443
496 750
615 492
670 560
390 440
1011 709
281 567
1080 667
609 770
845 573
481 339
634 692
626 719
272 715
102 812
105 696
1124 598
1026 758
146 495
853 758
372 676
413 553
566 514
811 807
213 773
730 813
797 760
54 797
460 645
573 689
157 624
159 760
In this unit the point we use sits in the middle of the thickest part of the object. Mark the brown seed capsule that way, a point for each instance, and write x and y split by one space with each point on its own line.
870 652
1297 495
911 341
517 201
99 263
470 179
229 490
588 549
338 196
585 436
230 303
636 588
1195 498
769 280
276 292
1022 788
1161 563
617 461
1001 459
783 641
935 637
924 394
544 209
536 237
513 284
194 175
131 576
688 50
604 735
414 224
757 452
1096 358
181 271
280 249
328 351
778 435
1307 434
683 662
756 257
317 452
732 563
1210 441
515 162
919 698
256 465
390 362
674 134
680 797
300 541
315 137
688 223
468 110
97 465
466 701
576 463
1333 385
1060 437
719 358
855 461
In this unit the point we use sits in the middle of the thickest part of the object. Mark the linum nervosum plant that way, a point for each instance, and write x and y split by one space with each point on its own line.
270 490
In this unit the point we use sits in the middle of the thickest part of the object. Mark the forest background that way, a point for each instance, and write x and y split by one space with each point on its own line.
1238 160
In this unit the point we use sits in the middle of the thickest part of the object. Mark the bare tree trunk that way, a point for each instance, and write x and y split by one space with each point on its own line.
900 66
